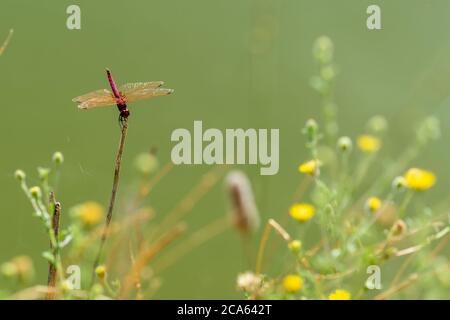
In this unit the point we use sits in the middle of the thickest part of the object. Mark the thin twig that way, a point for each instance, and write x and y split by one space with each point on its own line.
113 195
52 272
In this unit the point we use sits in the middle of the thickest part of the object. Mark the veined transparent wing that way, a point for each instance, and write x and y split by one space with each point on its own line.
129 88
147 94
95 99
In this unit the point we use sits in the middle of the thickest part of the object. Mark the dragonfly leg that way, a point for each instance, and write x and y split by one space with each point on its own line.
121 121
123 116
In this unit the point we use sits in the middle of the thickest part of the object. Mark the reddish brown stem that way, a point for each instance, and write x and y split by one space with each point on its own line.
113 195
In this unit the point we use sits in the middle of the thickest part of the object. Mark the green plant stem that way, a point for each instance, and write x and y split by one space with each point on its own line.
53 268
41 212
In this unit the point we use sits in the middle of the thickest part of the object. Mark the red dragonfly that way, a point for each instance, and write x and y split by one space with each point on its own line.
122 95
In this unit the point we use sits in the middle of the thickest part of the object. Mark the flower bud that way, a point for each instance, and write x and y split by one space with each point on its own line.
43 173
429 130
399 228
19 175
344 144
8 269
36 192
66 286
58 158
311 128
399 184
377 124
295 246
373 204
328 73
146 163
323 50
100 271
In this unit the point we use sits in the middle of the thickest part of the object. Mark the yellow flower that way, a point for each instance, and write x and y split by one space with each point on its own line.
295 246
340 295
418 179
292 283
302 211
100 271
309 167
36 192
20 267
90 213
368 143
373 204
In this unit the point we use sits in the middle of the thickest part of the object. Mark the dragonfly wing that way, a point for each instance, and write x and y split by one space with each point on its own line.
147 94
137 86
95 99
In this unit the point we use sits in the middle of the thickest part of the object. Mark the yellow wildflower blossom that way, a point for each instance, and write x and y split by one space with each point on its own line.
309 167
373 204
340 295
100 271
292 283
90 213
368 143
418 179
295 246
302 211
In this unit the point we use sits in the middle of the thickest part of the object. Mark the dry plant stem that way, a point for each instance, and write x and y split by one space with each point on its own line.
392 291
6 42
52 272
146 187
283 233
113 229
410 281
206 183
146 255
196 239
113 195
126 225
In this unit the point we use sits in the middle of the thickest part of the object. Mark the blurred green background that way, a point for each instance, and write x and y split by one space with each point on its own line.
232 64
